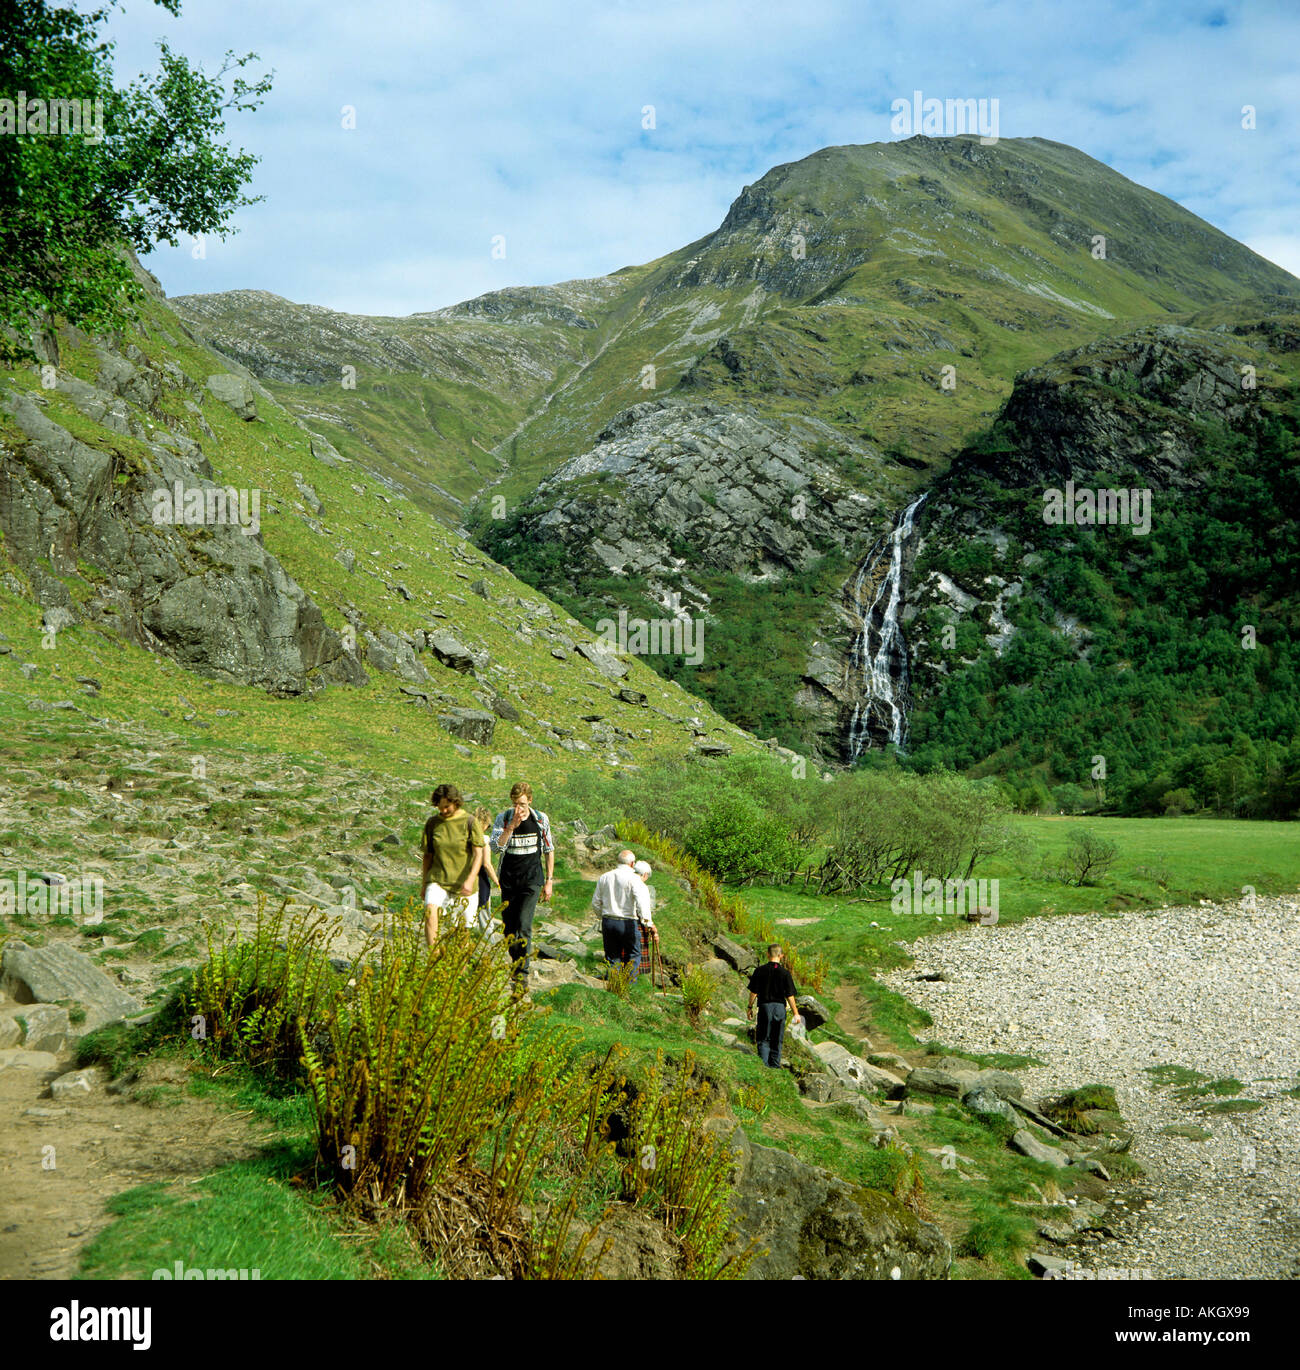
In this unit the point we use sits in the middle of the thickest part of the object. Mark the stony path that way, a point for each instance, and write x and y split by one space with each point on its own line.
1102 998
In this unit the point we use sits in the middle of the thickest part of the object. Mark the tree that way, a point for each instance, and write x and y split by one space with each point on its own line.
144 165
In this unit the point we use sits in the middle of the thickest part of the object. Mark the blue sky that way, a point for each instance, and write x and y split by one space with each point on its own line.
525 120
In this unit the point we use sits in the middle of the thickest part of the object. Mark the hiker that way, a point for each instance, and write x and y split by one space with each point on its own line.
649 945
772 987
452 851
522 835
623 901
487 877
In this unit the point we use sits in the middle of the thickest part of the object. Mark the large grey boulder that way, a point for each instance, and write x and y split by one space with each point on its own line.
740 958
42 975
47 1027
853 1070
451 652
1027 1144
473 725
984 1101
813 1225
235 391
603 660
925 1080
814 1013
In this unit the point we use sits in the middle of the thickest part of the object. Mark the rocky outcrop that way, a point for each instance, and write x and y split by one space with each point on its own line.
1123 414
202 589
809 1224
671 486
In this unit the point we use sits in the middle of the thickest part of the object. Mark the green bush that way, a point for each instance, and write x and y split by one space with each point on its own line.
697 992
738 841
254 998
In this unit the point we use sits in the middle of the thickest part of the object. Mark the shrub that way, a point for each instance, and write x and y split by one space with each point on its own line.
618 980
680 1170
427 1062
697 992
1088 857
252 997
737 841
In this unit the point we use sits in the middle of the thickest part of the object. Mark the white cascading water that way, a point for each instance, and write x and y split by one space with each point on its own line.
884 692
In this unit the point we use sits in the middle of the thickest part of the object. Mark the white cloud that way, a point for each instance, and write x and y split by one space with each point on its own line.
523 119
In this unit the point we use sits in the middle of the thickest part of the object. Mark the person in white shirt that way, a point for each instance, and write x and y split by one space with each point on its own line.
625 907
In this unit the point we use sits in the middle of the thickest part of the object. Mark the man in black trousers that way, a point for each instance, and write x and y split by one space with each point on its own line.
772 987
523 837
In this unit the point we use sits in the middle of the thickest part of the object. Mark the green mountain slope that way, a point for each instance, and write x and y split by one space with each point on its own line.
1151 668
95 587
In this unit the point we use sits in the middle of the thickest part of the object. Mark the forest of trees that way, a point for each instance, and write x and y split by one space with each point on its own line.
1187 685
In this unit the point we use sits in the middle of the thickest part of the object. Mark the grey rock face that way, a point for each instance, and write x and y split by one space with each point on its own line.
213 598
816 1226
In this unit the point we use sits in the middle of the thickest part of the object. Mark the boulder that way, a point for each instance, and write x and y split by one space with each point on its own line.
854 1071
1027 1144
77 1084
810 1224
10 1033
741 958
1040 1263
236 392
632 697
712 749
814 1013
451 652
816 1087
473 725
1004 1085
43 975
719 969
926 1080
47 1027
984 1101
504 708
19 1058
891 1060
600 657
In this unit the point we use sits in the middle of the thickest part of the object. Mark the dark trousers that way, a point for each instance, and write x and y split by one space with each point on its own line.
768 1033
622 939
517 909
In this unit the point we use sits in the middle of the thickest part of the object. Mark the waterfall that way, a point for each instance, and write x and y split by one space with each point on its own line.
879 654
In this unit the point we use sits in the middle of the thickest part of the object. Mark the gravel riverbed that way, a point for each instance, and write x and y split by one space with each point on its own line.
1100 998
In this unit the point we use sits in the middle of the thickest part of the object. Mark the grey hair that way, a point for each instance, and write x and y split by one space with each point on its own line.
625 858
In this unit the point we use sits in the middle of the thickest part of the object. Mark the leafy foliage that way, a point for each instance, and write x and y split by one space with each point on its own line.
154 169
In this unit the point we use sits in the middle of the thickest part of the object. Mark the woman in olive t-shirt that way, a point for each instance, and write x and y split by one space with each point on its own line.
452 853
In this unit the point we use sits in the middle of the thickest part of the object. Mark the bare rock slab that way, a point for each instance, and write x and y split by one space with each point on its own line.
42 975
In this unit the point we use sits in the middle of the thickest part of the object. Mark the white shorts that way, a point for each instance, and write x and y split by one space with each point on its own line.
458 908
